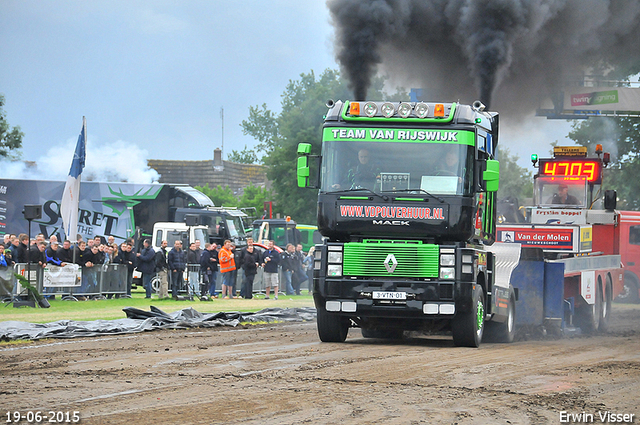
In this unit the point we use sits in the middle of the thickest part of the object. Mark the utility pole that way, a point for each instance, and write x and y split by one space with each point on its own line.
222 118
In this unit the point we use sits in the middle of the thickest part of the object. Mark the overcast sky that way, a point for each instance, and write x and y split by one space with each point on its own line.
152 76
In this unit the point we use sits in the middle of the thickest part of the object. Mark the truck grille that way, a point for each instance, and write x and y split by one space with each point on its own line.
367 258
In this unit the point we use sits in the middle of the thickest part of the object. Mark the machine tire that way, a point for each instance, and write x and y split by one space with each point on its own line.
155 284
382 333
331 327
589 314
629 294
468 327
605 311
503 332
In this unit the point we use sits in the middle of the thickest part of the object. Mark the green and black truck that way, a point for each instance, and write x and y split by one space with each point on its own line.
407 209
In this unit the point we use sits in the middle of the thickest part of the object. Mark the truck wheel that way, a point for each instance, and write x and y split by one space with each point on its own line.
331 327
589 314
503 332
155 284
382 333
629 292
606 307
468 327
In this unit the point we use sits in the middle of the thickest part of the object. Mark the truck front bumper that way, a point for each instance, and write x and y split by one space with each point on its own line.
393 299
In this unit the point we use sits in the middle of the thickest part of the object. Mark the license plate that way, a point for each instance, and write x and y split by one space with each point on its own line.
387 295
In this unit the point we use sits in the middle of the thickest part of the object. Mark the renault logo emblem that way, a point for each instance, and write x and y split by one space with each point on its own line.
390 263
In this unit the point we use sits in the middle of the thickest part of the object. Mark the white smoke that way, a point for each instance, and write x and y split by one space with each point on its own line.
108 162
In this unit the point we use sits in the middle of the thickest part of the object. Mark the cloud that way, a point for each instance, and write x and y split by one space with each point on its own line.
118 161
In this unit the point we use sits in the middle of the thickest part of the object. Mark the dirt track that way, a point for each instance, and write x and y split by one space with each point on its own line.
283 374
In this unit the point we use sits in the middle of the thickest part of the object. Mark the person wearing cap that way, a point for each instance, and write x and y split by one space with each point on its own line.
147 266
562 197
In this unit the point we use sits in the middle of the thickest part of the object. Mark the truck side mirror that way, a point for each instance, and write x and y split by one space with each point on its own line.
491 175
191 220
610 200
304 150
304 170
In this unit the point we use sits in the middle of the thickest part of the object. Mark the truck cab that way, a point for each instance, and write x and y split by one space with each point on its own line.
221 222
406 205
172 232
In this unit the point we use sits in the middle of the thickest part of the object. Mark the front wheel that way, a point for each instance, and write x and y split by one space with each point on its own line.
331 327
589 314
629 292
605 311
503 332
468 327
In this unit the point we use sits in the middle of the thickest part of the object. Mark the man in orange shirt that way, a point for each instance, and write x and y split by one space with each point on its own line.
227 266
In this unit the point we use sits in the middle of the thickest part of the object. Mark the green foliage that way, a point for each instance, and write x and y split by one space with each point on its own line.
515 181
28 286
10 138
246 156
254 196
219 195
621 138
300 121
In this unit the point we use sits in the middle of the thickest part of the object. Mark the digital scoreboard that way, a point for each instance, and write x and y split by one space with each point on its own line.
591 169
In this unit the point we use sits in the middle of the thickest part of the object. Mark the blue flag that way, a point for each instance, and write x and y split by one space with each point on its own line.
71 195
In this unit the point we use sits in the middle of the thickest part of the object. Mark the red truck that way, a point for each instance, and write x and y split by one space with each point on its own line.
627 242
575 223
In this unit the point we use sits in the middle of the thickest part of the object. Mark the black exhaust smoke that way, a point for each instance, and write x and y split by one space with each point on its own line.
514 51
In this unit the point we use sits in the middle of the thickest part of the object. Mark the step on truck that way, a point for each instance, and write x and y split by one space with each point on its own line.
406 206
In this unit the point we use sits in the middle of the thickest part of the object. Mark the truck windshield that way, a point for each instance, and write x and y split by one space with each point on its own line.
561 192
235 226
438 168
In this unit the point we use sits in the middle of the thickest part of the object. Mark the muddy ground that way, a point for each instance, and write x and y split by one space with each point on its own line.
282 374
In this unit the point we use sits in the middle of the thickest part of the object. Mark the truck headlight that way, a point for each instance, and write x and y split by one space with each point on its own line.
422 109
334 270
447 273
334 257
388 109
404 110
448 260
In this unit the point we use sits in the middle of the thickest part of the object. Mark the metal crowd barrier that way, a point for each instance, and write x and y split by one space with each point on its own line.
97 280
111 279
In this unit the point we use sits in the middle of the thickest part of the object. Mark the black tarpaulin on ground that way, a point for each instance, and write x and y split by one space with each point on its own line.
139 321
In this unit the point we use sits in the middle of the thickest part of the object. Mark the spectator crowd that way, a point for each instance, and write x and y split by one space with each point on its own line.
170 266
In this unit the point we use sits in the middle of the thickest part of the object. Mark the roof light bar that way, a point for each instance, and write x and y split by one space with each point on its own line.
404 110
388 109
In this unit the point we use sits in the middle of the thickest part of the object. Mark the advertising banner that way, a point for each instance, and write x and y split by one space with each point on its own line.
602 98
378 212
558 216
106 209
58 277
549 238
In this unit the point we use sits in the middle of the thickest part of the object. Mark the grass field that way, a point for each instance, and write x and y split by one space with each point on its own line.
112 309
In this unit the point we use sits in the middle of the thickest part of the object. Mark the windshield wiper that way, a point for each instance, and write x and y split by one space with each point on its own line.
356 189
418 190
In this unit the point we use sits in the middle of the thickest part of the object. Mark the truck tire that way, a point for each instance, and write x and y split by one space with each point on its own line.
382 333
629 294
155 284
503 332
606 307
589 314
331 327
468 327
